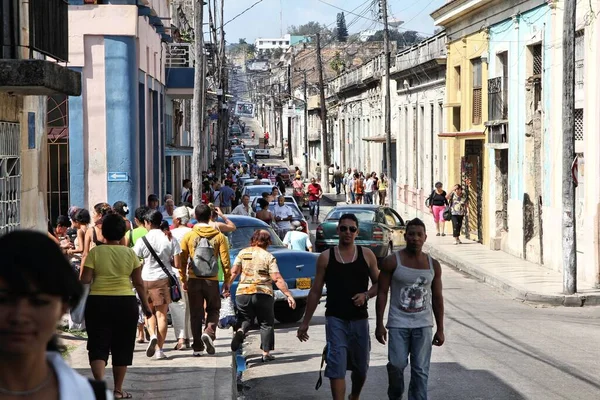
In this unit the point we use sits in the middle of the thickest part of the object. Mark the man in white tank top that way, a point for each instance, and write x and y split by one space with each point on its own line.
414 280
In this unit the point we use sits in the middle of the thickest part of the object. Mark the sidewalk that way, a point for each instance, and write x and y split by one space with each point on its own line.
519 278
181 376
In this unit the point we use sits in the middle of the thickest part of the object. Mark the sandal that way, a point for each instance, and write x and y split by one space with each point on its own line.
121 394
180 346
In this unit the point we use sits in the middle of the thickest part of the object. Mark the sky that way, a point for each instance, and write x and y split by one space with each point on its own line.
263 20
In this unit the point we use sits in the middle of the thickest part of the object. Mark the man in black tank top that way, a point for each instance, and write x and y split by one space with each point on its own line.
346 269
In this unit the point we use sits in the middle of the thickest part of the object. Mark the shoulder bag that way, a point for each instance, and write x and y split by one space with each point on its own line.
447 215
173 285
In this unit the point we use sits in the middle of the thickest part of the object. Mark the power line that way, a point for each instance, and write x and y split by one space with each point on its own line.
243 12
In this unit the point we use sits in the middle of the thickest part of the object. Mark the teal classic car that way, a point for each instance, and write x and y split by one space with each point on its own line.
380 228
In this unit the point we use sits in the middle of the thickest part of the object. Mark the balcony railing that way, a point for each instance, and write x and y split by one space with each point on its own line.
49 28
427 50
497 107
180 55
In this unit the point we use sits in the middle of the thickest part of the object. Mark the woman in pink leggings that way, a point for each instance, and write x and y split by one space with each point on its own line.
437 205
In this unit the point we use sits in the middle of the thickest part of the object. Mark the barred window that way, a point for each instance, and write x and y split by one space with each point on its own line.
477 78
537 59
578 123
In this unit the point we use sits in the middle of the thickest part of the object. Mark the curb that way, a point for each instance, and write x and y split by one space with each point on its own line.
576 300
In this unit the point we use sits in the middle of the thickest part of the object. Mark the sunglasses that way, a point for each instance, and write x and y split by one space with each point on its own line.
344 228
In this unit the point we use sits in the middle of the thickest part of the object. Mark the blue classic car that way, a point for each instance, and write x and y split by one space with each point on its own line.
298 268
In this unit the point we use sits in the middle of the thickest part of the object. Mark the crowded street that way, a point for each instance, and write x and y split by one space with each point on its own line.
324 199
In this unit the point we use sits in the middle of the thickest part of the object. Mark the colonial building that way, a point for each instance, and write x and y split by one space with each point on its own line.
418 113
32 44
118 127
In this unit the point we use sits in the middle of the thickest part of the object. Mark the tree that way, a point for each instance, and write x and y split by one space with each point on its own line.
277 53
342 30
403 39
251 50
242 41
337 64
311 28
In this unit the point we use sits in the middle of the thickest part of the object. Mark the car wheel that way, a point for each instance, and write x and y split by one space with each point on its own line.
285 315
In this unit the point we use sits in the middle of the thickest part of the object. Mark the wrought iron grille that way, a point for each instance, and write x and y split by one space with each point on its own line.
49 28
477 106
578 116
537 59
58 156
10 177
496 107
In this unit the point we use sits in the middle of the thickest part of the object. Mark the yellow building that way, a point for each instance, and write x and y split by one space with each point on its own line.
467 109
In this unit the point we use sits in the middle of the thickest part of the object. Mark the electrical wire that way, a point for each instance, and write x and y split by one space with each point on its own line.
243 12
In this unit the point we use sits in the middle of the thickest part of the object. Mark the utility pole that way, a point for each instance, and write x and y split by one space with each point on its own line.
569 242
387 106
304 73
198 103
289 127
324 144
223 84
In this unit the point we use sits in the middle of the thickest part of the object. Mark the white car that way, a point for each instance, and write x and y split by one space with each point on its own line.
264 153
256 191
250 181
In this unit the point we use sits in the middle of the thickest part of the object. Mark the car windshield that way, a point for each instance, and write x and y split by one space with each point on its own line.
362 215
281 170
240 238
257 190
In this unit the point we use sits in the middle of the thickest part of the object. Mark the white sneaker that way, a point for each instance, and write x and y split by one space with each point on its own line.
160 355
197 354
151 349
208 343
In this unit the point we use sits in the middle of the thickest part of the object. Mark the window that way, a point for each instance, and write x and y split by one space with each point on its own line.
260 43
457 78
476 67
537 59
579 65
10 177
578 124
503 59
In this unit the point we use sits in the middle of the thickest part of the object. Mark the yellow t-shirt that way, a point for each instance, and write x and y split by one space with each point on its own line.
112 267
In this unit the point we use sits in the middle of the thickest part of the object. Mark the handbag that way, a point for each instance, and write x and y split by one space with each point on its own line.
447 215
173 285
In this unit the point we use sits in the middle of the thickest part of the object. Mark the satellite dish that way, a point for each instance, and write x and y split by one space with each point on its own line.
394 22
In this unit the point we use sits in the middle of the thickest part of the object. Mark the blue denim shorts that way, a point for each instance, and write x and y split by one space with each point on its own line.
349 347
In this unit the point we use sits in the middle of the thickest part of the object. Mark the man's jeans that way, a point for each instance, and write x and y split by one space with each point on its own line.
402 343
313 206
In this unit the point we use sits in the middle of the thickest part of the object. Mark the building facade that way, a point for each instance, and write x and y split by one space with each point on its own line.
418 118
31 47
117 128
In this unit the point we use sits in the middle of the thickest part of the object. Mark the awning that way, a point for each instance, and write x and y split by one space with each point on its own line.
463 135
377 139
172 151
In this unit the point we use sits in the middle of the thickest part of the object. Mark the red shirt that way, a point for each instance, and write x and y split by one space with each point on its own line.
313 191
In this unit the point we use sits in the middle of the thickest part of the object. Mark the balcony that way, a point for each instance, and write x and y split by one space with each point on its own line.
429 51
351 80
180 70
22 70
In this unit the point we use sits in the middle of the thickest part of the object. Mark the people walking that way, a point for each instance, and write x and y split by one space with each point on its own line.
375 195
254 294
458 207
227 197
338 178
346 270
414 280
35 295
157 251
315 192
350 196
205 246
437 202
111 312
298 192
383 186
263 213
369 188
359 188
180 311
283 217
296 239
244 208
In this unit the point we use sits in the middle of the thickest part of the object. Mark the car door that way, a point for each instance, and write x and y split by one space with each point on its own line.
395 223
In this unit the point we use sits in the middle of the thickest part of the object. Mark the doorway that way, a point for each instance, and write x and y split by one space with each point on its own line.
472 182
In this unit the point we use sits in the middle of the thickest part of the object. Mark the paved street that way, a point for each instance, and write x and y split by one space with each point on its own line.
496 348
